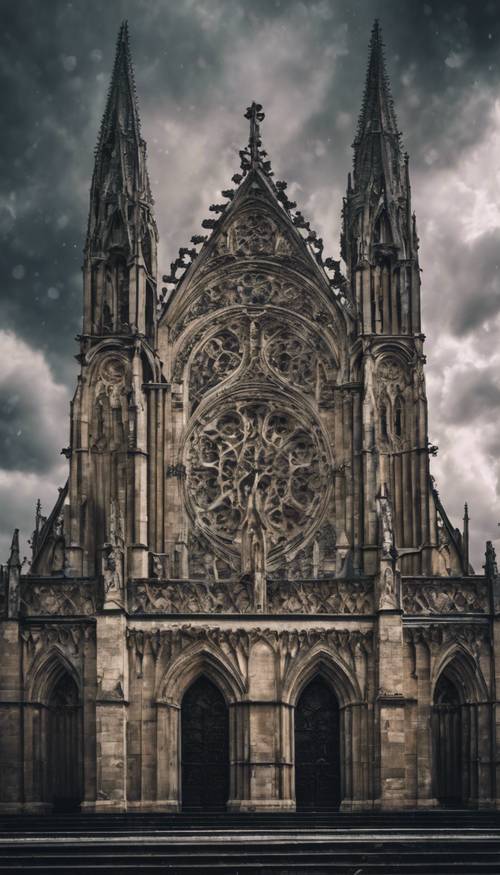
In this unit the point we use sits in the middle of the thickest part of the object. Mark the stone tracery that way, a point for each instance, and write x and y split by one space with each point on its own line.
229 447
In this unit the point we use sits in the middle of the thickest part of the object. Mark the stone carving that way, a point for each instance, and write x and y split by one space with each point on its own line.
390 370
253 233
166 644
204 564
302 360
219 357
69 637
439 635
389 577
320 597
110 415
253 288
64 598
160 566
491 572
190 596
451 597
112 561
230 446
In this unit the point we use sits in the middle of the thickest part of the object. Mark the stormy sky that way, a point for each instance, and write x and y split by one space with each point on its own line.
198 64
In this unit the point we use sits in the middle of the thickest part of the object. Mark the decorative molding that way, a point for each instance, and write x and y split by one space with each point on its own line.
190 596
64 598
320 596
438 596
166 644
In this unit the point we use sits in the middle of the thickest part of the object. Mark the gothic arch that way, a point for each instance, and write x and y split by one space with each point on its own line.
461 728
320 662
354 730
464 670
47 672
200 659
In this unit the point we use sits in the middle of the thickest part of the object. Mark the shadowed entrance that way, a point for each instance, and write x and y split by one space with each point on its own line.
447 743
65 746
205 746
317 747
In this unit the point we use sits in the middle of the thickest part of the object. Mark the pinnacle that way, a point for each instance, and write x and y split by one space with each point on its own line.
377 109
121 105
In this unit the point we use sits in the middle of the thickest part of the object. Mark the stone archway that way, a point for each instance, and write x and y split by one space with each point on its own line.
317 747
461 732
64 745
447 739
204 746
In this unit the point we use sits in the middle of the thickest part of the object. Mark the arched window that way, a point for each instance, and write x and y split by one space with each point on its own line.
398 416
383 420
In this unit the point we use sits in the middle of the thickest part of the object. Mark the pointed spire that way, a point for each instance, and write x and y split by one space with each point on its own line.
14 560
120 163
466 538
377 110
121 105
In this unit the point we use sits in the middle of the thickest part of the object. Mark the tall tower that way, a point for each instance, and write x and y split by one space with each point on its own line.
380 249
107 486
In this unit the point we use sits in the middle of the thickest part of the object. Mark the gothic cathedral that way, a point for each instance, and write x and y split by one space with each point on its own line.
248 594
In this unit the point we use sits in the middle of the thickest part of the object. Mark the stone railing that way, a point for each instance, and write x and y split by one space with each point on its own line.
445 595
65 598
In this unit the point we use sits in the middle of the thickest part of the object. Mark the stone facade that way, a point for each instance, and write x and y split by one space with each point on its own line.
249 593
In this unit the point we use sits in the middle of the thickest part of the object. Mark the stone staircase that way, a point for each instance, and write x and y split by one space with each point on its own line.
427 843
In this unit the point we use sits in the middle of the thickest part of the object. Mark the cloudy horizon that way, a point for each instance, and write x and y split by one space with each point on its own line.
198 64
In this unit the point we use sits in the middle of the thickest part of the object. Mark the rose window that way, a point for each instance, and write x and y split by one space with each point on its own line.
229 449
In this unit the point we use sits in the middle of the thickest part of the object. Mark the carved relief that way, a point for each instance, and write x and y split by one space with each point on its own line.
228 449
219 357
189 596
109 421
453 597
65 598
70 638
253 233
320 597
235 644
439 635
252 288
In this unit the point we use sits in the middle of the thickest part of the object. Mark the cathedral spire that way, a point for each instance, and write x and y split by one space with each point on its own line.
377 110
377 146
379 234
121 223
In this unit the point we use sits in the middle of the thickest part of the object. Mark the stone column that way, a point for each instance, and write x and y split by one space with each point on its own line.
261 741
390 698
425 797
111 713
11 728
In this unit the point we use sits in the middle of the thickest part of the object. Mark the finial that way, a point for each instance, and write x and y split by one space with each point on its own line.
255 115
14 560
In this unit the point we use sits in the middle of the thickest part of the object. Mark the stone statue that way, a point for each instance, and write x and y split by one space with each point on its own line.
112 562
253 543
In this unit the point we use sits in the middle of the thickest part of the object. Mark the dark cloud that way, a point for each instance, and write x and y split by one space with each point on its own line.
198 64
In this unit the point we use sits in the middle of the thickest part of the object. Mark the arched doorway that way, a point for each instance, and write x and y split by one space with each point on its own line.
317 747
204 746
447 742
65 745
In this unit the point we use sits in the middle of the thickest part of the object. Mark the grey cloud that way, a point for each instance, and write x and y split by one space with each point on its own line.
198 63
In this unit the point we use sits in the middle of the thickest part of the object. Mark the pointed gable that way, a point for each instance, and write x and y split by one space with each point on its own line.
257 223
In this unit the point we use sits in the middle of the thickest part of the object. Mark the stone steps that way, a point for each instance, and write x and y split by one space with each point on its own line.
395 843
